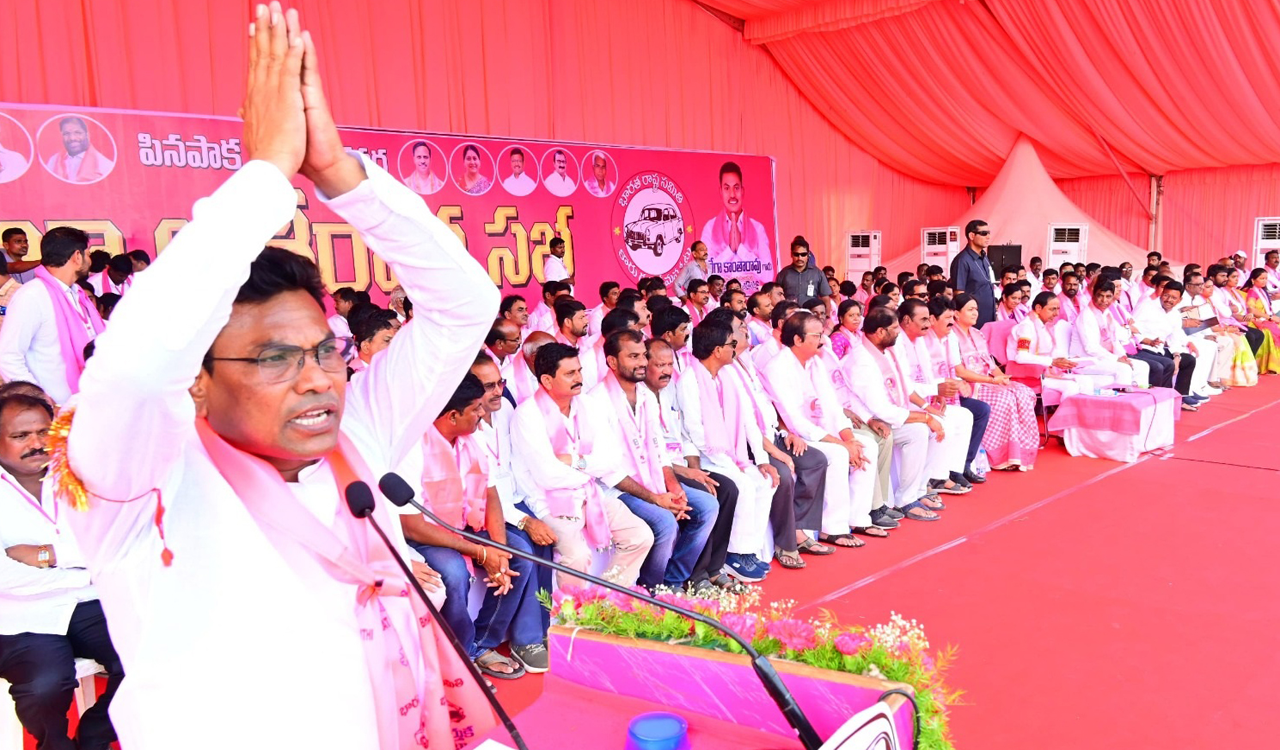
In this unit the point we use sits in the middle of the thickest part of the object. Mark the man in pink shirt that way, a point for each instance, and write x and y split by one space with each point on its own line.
1069 300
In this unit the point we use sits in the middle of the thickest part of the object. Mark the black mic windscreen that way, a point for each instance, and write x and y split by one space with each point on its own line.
360 499
396 489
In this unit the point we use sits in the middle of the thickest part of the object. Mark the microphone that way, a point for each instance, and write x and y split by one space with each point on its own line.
360 503
401 494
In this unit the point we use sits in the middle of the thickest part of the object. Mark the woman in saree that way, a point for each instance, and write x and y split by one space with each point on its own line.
1012 439
1258 310
1253 312
848 327
1244 364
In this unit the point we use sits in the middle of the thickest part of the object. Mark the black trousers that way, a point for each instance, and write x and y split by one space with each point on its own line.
1255 337
42 673
1161 368
713 555
801 507
1164 361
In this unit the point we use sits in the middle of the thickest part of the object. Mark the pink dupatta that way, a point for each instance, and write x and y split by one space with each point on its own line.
726 433
643 451
578 440
891 371
73 324
454 480
409 715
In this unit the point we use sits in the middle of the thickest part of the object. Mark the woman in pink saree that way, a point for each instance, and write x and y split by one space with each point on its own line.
848 327
1012 440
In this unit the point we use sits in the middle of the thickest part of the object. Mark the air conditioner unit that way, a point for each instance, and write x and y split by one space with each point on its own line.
1266 237
940 245
862 252
1067 243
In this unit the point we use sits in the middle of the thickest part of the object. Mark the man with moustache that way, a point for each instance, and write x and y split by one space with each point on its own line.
681 517
79 160
519 183
561 462
50 614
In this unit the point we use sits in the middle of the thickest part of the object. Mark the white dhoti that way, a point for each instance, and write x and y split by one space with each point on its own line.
1204 363
751 517
957 424
913 449
846 502
1122 375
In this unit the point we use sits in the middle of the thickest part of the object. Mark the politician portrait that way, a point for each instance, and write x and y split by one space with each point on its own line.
598 174
519 183
80 160
15 149
559 181
422 178
737 244
471 178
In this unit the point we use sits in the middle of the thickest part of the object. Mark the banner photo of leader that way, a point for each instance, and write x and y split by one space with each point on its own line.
130 178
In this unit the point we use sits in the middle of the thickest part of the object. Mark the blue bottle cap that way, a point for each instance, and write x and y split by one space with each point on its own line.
658 731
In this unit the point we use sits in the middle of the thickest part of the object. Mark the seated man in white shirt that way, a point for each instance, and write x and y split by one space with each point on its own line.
523 529
1096 337
1040 342
707 574
49 612
880 395
759 318
722 424
764 353
513 308
50 319
800 386
501 345
681 517
1200 323
1163 345
455 480
559 465
543 316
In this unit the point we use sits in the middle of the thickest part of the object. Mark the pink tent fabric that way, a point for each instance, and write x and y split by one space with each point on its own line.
1021 204
941 89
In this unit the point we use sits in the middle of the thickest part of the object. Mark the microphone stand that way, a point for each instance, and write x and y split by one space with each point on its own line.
764 670
366 512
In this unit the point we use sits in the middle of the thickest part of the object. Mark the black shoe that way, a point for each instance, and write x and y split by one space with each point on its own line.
960 479
974 478
893 513
881 519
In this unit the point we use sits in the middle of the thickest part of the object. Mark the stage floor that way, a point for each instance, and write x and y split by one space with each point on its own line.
1095 604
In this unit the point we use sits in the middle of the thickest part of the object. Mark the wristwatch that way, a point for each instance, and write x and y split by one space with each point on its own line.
523 521
43 556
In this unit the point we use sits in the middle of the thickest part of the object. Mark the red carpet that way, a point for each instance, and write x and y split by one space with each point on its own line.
1095 604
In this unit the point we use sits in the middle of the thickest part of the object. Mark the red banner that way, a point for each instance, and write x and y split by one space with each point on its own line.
129 179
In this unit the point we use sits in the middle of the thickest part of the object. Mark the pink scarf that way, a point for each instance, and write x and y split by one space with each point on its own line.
940 356
643 454
523 384
726 434
454 481
576 438
409 715
891 371
72 333
973 350
744 369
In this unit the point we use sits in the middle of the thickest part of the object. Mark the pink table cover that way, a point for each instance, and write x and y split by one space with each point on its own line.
1121 413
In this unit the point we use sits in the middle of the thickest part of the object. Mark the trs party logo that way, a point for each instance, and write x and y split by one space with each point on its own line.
651 225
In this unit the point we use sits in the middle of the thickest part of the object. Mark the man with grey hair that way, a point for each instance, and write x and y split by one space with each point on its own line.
599 183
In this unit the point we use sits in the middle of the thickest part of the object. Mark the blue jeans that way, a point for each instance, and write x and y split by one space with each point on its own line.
452 568
544 575
981 416
676 545
516 615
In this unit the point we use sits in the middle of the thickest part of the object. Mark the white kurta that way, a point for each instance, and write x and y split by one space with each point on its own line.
232 630
29 348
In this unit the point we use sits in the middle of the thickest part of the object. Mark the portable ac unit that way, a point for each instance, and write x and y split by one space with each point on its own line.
1266 237
1067 243
940 245
862 252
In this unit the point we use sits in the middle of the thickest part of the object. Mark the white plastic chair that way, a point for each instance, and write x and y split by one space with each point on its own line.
11 734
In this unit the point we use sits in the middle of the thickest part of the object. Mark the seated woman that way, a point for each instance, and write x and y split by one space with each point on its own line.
1235 365
1012 439
1010 307
1258 313
1035 342
848 330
